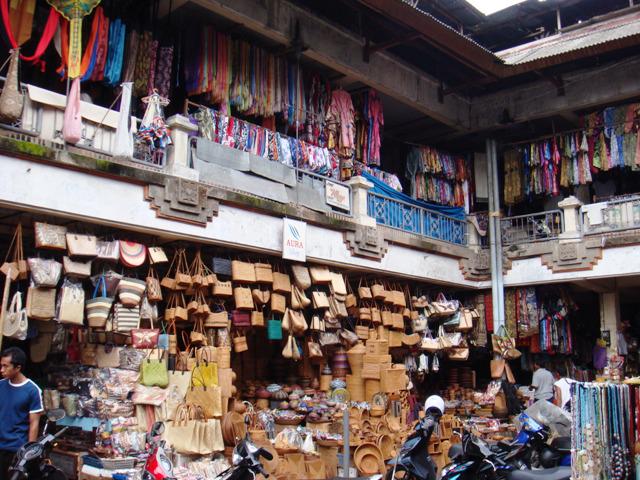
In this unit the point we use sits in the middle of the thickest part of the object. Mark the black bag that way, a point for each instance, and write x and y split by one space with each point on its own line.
222 266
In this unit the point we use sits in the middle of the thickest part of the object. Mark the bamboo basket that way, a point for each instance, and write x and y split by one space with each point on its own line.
355 356
370 371
355 386
393 379
224 357
378 347
371 387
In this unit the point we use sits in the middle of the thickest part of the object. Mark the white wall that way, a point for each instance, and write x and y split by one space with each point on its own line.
57 191
615 262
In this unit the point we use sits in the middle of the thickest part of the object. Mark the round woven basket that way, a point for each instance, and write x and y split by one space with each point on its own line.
368 458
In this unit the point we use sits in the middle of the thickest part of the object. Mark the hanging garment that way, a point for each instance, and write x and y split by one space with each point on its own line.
123 141
115 55
102 49
74 11
163 70
72 126
131 55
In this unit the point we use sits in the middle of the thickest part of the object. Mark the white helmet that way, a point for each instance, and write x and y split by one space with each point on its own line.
434 401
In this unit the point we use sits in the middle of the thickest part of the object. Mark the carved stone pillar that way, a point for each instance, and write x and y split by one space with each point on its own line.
359 192
178 153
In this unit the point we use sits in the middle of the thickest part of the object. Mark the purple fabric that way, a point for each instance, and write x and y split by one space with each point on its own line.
599 357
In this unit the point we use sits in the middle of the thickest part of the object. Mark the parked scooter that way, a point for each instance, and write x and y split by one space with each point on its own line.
158 466
246 460
474 459
532 446
413 461
32 460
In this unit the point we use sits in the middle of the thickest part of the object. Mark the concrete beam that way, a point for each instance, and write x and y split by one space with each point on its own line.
340 50
584 89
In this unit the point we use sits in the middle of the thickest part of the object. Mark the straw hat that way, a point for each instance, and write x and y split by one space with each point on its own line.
368 458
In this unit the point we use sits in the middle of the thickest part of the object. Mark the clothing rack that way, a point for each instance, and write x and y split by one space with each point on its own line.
565 132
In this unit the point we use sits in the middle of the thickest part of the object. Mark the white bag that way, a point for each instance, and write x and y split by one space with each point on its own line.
15 320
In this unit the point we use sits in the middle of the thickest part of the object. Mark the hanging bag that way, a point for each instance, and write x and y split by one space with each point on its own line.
132 254
71 300
16 323
130 291
364 292
125 319
243 272
108 251
82 246
153 372
45 273
301 276
50 236
154 290
243 299
144 338
263 273
75 269
11 98
41 303
97 309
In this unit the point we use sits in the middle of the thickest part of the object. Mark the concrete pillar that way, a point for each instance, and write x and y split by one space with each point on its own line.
178 153
359 201
610 317
571 211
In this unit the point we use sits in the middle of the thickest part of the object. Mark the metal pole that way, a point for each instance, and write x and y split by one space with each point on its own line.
345 438
495 240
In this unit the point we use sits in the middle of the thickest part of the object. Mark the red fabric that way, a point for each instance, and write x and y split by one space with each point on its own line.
103 47
488 312
47 35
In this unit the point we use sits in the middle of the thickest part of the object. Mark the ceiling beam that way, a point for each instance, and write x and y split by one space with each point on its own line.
583 89
341 51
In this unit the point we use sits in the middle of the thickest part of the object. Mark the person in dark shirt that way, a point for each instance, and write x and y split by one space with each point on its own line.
20 407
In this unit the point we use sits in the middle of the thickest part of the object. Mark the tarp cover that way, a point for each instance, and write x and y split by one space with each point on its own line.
382 188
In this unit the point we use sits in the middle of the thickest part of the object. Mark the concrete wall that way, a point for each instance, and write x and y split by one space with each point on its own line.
615 262
49 189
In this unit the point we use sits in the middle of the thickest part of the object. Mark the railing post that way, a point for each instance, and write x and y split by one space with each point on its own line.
571 212
359 201
178 153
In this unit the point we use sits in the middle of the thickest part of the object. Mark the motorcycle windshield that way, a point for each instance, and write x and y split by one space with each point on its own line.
547 414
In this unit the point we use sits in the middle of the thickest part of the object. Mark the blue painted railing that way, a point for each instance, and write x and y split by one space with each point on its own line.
413 219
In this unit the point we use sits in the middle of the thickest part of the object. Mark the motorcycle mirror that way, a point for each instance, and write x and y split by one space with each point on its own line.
157 429
56 414
247 420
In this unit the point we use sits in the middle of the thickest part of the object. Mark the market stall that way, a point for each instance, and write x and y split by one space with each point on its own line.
126 333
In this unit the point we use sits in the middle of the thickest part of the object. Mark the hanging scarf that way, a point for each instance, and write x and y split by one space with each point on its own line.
115 56
47 35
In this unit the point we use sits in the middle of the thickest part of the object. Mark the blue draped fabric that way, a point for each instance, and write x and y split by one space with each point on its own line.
382 188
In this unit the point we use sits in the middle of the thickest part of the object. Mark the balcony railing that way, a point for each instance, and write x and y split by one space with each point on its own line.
533 227
413 219
611 216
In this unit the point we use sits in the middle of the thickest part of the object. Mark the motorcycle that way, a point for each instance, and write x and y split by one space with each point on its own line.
31 461
475 459
246 460
157 466
532 446
413 461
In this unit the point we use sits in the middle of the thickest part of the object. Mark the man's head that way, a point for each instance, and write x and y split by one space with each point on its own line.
537 364
12 362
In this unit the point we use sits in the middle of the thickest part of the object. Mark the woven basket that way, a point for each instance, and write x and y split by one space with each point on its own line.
395 338
370 371
355 356
393 379
371 387
224 357
355 386
378 347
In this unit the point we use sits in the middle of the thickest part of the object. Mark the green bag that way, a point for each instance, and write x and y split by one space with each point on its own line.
274 329
154 372
453 320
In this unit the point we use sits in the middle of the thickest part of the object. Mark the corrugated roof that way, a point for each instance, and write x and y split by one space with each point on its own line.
609 30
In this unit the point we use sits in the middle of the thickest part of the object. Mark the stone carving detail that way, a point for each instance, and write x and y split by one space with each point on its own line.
477 266
182 200
366 242
575 256
567 251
